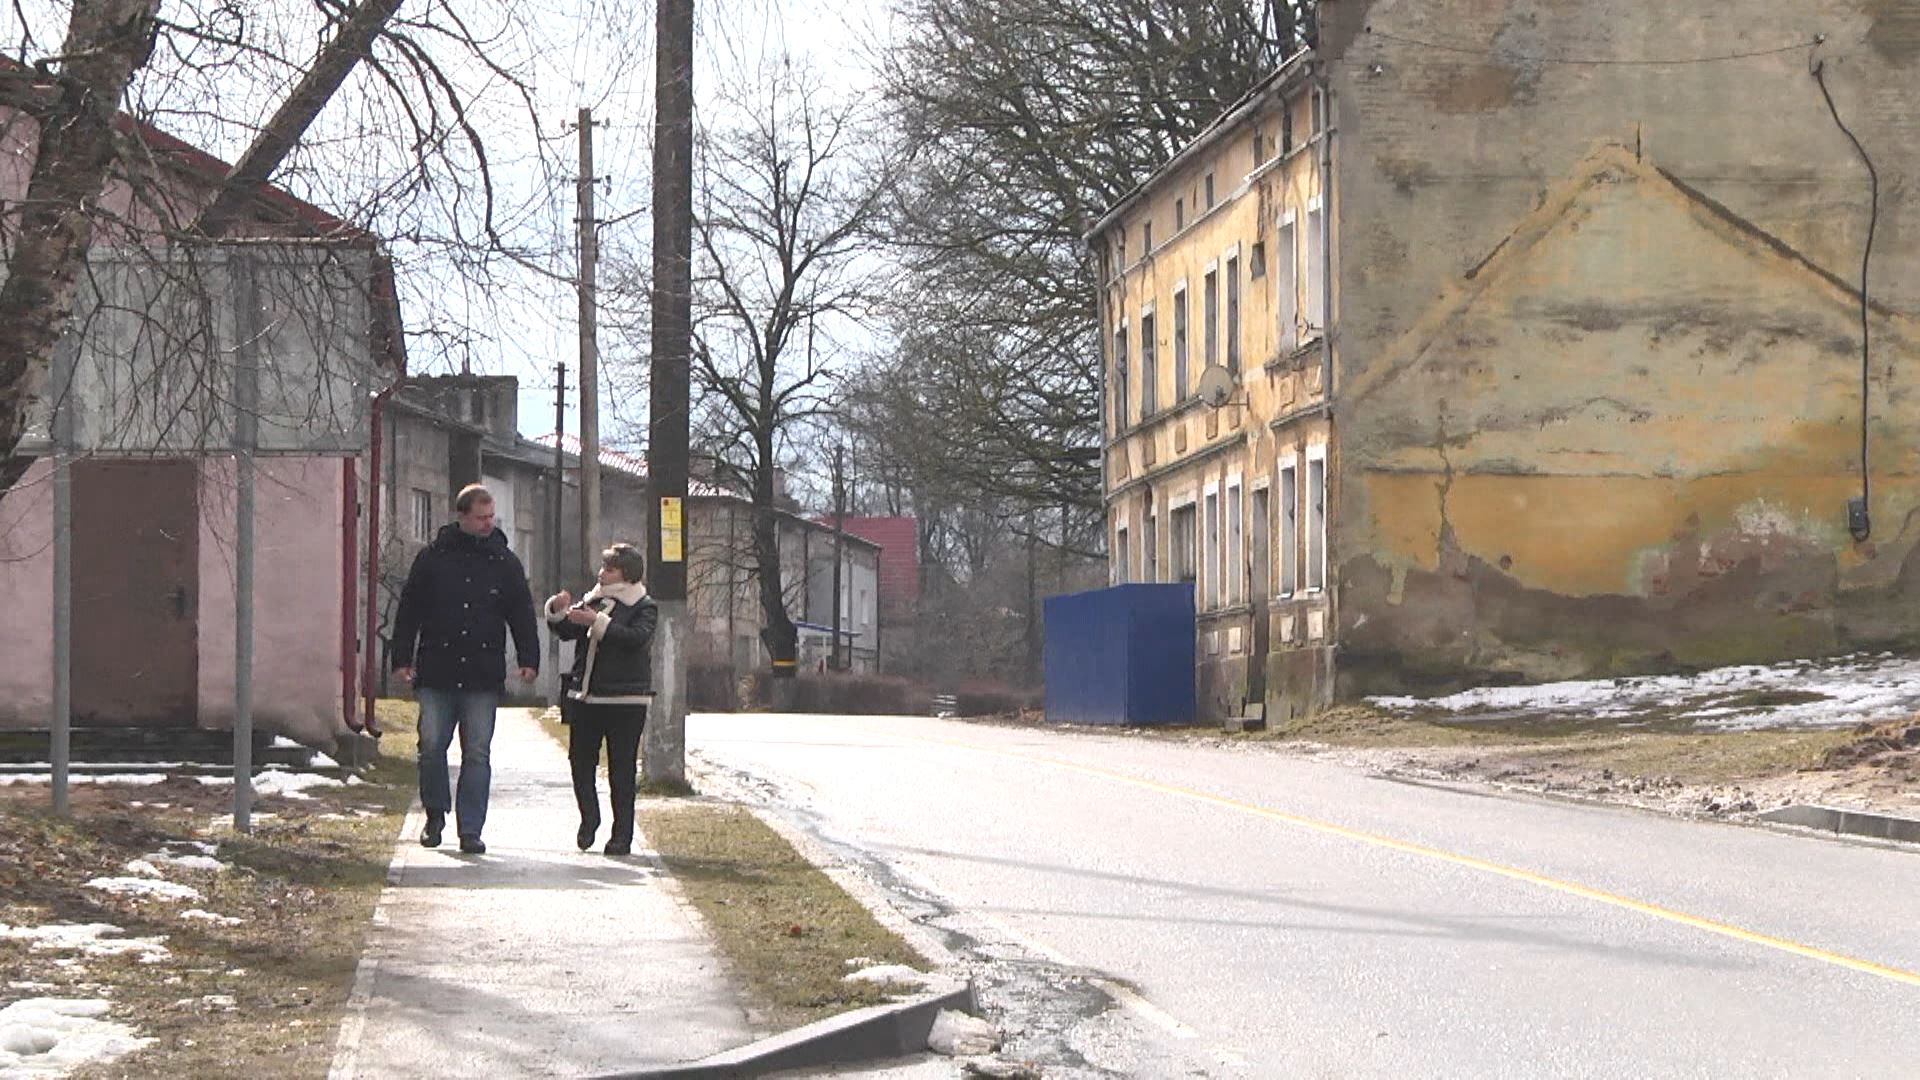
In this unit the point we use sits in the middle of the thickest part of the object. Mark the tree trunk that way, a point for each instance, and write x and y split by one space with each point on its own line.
107 41
777 630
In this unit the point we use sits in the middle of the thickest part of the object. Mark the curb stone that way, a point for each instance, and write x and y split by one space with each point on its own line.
876 1033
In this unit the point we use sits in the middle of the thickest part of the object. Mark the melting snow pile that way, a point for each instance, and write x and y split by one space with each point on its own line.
292 785
145 888
54 1036
197 915
93 939
1840 692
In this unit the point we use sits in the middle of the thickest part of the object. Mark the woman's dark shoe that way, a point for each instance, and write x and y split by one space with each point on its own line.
585 837
471 845
436 823
616 847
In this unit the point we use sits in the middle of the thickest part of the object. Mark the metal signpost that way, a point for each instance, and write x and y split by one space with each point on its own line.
240 349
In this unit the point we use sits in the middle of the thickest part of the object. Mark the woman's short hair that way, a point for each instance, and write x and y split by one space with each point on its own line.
629 560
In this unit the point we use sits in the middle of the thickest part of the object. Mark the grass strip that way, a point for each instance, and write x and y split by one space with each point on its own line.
787 930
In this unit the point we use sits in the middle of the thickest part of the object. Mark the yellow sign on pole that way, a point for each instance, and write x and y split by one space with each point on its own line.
671 531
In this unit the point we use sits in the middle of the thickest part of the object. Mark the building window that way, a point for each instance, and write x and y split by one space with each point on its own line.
1286 129
1213 553
1289 529
1120 555
1120 379
1209 187
1179 214
422 515
1316 266
1260 558
1210 311
1234 566
1146 239
1286 285
1185 566
1149 367
1180 344
1259 148
1233 315
1257 260
1150 549
1317 523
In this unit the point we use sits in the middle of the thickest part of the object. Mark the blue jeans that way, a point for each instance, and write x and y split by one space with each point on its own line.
471 711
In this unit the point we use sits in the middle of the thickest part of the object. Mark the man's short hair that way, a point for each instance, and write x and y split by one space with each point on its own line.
629 560
471 496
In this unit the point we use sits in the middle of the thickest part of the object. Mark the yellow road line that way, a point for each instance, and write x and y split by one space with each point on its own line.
1601 896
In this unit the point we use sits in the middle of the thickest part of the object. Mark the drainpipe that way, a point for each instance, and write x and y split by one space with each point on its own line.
1325 86
349 580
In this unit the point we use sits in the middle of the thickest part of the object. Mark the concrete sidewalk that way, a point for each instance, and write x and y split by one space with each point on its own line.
534 959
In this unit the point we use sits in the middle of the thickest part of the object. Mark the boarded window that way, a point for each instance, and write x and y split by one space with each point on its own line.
1316 524
1180 345
1186 567
1286 286
1289 530
1149 368
1233 315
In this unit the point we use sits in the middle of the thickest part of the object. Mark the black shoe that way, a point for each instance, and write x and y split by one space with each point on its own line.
619 847
471 845
436 823
585 836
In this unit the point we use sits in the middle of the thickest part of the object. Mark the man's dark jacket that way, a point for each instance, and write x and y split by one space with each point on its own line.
462 597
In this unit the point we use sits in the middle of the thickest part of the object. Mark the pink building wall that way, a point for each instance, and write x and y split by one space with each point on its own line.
297 598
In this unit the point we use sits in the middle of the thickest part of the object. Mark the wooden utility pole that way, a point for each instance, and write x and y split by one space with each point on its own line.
557 546
666 741
590 538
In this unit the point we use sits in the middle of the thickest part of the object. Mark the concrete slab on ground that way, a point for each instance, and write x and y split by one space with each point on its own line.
534 959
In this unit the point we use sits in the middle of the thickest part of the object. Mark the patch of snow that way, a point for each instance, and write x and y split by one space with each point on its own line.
186 862
354 781
956 1034
213 1002
217 919
322 761
143 868
281 742
896 974
145 888
1850 690
127 779
92 939
55 1036
292 785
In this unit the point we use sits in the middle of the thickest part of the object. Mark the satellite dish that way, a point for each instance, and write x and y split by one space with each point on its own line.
1216 385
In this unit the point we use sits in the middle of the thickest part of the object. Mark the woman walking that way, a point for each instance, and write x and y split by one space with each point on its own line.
604 698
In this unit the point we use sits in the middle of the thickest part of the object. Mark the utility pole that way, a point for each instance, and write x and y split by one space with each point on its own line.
556 553
589 352
666 733
839 544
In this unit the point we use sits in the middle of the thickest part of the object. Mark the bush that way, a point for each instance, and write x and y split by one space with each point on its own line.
844 694
994 699
712 688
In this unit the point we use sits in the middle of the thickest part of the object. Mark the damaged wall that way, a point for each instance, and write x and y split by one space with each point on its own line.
1598 382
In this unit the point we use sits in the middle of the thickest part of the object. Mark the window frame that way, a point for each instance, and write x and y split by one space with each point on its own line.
1316 536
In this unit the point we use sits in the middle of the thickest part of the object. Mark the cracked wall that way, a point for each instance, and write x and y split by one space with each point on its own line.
1597 393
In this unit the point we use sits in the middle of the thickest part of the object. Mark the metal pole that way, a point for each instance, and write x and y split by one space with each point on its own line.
62 626
672 302
589 353
839 547
243 646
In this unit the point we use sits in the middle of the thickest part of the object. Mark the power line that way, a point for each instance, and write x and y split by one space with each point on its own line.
1508 54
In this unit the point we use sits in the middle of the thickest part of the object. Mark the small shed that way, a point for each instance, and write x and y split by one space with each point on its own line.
1121 655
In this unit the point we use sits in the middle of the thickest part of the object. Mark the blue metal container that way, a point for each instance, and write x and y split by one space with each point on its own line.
1123 655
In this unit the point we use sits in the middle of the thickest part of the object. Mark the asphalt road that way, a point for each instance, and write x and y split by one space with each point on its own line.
1262 915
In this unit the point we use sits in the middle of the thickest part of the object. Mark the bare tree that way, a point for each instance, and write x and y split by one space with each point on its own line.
1025 120
387 121
783 217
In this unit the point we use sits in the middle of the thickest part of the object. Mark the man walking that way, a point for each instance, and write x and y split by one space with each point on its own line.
464 593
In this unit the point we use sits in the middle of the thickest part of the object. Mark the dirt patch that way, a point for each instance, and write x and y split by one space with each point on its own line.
252 974
1892 747
787 930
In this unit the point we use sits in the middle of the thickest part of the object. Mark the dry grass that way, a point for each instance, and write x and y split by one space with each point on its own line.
787 930
304 882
